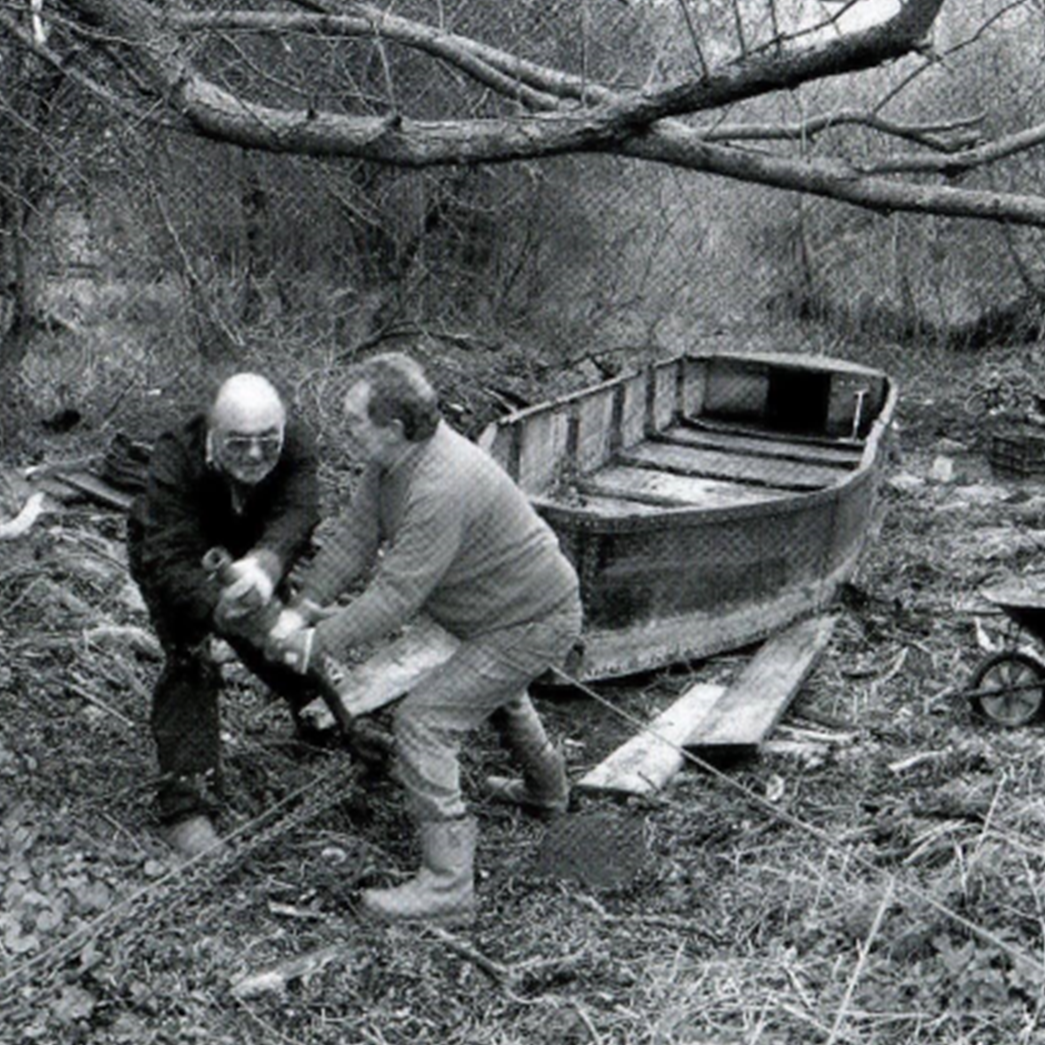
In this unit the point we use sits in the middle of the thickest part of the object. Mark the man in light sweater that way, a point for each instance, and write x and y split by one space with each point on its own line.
458 539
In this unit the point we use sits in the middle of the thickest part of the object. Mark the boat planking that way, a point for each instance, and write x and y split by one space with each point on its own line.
707 500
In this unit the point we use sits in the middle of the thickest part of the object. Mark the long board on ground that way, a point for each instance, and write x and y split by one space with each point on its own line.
740 715
756 700
95 489
647 761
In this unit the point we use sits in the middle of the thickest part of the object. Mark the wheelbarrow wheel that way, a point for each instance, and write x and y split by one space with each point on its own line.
1008 688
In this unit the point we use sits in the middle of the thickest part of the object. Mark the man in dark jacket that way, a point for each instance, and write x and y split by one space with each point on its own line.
243 478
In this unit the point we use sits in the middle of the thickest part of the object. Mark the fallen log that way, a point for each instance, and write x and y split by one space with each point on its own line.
389 673
96 489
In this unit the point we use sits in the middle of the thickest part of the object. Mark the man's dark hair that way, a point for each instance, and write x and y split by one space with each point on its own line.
399 391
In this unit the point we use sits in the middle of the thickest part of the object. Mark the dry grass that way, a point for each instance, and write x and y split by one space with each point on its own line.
853 897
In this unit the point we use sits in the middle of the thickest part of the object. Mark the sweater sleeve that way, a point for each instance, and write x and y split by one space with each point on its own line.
173 542
349 549
430 537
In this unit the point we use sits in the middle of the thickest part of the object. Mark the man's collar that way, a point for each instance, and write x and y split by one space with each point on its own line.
412 452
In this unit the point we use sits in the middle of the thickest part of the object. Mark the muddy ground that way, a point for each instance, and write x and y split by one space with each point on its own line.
872 875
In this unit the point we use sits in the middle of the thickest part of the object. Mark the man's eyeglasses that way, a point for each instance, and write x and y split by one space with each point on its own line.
268 444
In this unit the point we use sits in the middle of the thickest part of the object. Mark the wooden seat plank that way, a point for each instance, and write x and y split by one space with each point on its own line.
716 464
650 759
648 486
756 431
600 506
838 456
755 701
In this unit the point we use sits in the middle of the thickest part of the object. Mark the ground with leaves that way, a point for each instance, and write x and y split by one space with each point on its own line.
873 875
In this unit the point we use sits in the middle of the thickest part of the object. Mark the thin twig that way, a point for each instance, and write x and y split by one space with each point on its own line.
83 691
497 972
653 920
861 962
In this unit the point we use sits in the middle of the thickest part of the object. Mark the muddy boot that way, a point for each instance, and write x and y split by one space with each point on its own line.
443 891
544 789
545 795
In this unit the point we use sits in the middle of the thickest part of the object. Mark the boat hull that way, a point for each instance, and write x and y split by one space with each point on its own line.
663 583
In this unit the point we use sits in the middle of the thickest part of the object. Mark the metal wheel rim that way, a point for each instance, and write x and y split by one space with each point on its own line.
1019 706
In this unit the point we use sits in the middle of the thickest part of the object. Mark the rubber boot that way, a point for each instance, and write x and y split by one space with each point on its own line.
443 891
545 804
544 790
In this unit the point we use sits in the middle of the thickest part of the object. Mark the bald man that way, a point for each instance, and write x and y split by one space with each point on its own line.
243 477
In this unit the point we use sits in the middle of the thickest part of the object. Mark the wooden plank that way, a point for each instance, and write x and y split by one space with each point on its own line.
606 507
96 489
716 464
664 394
647 486
595 417
633 419
390 672
753 430
753 704
841 457
542 447
651 758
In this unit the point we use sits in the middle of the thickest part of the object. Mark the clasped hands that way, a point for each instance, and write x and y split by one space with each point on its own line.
248 592
290 640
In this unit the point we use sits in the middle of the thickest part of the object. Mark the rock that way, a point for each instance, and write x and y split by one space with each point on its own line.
1029 509
976 495
982 493
942 470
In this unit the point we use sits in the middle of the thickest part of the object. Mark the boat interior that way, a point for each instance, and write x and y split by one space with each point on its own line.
698 431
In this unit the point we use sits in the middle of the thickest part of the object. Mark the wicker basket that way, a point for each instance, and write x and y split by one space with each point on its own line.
1018 453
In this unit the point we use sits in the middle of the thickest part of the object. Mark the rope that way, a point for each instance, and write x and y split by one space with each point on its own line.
822 836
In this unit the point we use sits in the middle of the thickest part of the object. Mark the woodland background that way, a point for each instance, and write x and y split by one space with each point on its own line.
133 250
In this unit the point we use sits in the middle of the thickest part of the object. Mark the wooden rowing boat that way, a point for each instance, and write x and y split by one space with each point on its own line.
706 501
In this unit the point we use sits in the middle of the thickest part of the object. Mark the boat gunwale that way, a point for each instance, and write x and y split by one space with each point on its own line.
580 517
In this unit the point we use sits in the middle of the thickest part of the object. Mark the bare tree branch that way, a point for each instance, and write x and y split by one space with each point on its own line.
960 130
88 83
832 179
722 86
935 59
963 161
567 113
513 77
